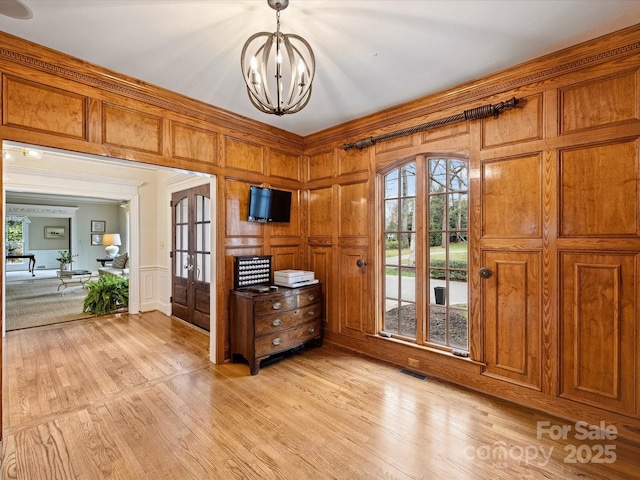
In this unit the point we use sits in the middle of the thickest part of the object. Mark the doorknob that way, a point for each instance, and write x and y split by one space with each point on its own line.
360 263
485 273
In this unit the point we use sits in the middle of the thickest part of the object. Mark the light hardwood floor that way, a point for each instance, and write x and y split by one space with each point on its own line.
136 398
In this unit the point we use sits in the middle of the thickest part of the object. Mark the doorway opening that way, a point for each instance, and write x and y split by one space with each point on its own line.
143 187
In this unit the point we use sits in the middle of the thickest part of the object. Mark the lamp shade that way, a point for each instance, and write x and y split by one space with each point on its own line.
112 242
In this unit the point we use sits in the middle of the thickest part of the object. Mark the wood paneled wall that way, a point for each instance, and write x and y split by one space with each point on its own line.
54 100
554 213
554 208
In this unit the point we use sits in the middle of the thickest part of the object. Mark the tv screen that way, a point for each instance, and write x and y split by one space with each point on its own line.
269 205
280 208
259 200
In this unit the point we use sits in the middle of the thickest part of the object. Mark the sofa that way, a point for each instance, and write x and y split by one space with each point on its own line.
119 267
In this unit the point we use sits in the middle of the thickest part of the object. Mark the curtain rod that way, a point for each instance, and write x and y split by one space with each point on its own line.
473 114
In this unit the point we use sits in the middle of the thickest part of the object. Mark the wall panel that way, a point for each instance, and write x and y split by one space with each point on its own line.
284 165
512 316
599 190
599 309
353 161
521 125
192 143
285 258
354 301
131 129
353 209
321 212
511 197
321 264
447 131
321 166
597 103
43 108
243 155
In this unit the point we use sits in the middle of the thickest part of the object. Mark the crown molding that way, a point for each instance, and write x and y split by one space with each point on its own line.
39 210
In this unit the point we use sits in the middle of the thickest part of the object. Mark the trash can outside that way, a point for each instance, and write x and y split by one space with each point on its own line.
440 294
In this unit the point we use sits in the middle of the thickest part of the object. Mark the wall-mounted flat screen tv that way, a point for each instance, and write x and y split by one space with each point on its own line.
269 205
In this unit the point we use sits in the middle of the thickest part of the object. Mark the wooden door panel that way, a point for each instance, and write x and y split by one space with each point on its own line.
511 301
191 250
597 325
179 249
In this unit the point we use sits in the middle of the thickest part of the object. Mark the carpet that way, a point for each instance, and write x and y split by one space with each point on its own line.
37 302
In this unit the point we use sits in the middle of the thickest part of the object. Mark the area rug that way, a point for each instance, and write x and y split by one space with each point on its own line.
37 302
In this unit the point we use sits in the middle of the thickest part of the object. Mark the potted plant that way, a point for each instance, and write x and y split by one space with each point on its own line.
65 259
106 295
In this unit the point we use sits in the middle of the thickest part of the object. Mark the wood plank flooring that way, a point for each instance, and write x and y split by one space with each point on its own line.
136 398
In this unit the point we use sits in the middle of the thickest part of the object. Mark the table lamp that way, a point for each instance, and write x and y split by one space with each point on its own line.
112 242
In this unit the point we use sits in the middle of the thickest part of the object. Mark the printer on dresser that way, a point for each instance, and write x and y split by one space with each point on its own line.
265 324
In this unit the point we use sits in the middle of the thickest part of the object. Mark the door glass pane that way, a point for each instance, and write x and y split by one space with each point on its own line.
181 261
202 209
205 267
199 237
206 209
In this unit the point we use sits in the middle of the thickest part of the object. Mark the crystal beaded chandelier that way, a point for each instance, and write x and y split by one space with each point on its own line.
278 69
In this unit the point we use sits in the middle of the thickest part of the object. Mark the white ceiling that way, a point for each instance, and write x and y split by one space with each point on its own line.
370 54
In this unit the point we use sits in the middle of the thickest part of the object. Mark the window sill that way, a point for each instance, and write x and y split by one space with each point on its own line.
430 353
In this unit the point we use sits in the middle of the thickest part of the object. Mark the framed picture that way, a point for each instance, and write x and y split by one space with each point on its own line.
98 226
55 232
96 239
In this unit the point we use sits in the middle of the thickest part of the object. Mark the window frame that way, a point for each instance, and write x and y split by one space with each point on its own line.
421 230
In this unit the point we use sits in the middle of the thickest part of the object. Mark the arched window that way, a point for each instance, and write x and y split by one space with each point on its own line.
425 254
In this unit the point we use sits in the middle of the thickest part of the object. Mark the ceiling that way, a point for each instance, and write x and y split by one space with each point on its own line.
370 54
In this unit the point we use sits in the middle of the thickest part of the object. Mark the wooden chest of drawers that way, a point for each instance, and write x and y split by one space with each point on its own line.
265 324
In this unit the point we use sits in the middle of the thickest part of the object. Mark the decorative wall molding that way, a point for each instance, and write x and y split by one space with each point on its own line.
217 116
466 95
40 210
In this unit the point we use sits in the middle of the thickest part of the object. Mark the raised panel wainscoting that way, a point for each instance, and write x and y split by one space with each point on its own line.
553 211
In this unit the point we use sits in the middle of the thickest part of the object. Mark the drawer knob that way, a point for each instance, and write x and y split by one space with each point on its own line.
311 297
276 322
311 313
277 341
311 330
277 306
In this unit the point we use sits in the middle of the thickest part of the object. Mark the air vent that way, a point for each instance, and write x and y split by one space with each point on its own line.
413 374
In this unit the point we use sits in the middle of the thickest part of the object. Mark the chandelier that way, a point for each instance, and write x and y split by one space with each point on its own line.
278 69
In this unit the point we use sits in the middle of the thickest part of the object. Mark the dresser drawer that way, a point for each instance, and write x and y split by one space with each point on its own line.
309 296
275 304
284 320
286 339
